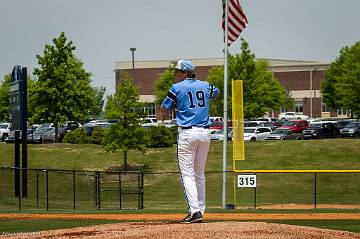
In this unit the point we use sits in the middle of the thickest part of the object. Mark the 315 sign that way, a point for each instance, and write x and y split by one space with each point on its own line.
246 181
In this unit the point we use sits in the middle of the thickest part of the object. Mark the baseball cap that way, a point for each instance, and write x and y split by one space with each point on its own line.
185 65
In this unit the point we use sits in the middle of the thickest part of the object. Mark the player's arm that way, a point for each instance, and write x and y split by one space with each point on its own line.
169 101
214 91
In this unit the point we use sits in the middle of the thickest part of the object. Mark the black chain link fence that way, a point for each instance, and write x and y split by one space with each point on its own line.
67 190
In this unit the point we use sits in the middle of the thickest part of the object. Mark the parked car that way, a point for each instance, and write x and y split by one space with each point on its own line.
343 123
149 122
292 116
351 130
276 123
248 124
321 130
296 126
49 136
268 119
219 134
216 118
170 123
11 138
37 136
72 125
256 133
89 127
5 130
219 125
284 134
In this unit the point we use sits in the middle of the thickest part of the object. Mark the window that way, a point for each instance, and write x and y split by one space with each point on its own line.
342 111
283 109
267 130
149 110
263 130
324 107
298 105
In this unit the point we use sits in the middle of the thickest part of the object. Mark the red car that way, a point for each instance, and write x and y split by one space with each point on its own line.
219 125
296 126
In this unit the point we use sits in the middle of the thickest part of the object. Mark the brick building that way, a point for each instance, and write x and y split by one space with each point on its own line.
301 78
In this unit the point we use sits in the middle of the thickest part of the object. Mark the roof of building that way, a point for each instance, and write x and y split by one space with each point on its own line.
274 63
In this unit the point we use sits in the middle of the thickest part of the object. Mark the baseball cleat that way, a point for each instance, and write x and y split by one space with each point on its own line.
192 218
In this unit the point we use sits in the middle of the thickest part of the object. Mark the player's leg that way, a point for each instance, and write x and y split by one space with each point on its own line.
186 157
200 162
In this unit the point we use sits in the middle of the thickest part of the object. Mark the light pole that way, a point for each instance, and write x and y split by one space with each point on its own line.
133 49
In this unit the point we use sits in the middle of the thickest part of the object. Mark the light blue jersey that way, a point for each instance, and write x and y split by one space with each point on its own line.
191 98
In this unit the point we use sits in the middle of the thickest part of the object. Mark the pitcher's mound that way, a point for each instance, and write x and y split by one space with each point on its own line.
200 230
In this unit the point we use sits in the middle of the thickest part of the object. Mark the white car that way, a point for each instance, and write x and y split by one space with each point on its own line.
5 130
292 116
216 119
149 122
169 123
219 134
256 133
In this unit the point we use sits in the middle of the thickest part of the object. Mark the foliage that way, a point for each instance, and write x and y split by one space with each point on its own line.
163 84
62 91
124 105
124 138
97 135
288 102
77 136
261 91
4 99
99 101
158 137
174 131
341 87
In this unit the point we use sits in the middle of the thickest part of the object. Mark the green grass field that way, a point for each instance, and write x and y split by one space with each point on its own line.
162 189
16 226
308 154
343 225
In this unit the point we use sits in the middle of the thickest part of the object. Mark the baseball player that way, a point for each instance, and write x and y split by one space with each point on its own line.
190 98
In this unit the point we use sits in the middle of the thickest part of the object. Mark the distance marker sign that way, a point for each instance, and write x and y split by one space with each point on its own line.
246 181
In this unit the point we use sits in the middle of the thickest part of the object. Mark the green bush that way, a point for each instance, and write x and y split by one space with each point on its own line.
77 136
97 135
174 131
160 136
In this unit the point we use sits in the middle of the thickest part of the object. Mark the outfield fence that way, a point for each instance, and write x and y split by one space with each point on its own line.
50 189
67 190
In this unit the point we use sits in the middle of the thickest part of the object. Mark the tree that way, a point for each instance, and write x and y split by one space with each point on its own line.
261 91
99 101
163 84
124 105
341 87
62 89
4 99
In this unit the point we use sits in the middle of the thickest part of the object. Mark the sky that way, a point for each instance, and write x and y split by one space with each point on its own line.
103 31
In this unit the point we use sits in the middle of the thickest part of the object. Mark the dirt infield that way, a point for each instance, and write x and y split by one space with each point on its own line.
155 230
176 217
156 226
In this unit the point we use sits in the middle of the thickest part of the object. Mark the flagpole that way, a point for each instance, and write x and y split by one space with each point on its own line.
225 102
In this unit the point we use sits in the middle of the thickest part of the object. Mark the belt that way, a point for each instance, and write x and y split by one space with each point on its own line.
190 127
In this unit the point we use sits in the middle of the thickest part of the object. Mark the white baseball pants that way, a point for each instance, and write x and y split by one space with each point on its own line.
193 147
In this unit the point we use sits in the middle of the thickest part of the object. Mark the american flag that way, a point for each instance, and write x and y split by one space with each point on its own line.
237 20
